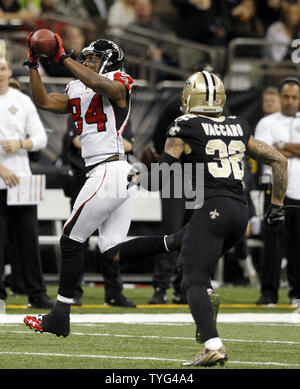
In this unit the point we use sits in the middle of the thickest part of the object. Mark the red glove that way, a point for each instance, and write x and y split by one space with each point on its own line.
33 59
60 55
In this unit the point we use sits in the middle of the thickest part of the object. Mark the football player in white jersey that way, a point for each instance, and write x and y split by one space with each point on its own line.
99 100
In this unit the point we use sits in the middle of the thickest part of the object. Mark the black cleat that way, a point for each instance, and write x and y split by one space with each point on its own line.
53 322
120 301
179 298
159 297
43 302
267 301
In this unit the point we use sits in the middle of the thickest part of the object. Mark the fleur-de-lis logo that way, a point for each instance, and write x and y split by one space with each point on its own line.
174 130
13 110
214 214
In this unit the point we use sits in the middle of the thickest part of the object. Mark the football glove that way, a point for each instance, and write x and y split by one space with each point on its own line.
275 215
33 59
60 54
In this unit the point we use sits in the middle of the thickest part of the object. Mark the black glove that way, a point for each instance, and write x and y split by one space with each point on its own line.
275 215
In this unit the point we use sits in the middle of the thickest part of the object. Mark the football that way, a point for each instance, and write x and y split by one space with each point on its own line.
43 42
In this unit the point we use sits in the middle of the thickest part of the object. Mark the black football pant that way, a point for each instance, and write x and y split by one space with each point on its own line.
173 211
274 248
213 230
24 230
292 227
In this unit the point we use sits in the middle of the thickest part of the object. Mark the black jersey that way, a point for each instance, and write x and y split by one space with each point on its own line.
218 143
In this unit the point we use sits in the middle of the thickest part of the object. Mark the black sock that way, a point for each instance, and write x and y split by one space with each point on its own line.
202 311
173 241
140 248
72 266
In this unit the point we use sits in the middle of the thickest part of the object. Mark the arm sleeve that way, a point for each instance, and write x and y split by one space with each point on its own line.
35 128
124 78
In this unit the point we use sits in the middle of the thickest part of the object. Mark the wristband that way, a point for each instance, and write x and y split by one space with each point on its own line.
281 145
62 58
32 65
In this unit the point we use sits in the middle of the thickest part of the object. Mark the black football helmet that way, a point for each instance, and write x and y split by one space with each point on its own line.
111 54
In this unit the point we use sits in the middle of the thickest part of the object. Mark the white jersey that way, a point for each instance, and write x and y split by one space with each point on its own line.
278 127
99 121
19 120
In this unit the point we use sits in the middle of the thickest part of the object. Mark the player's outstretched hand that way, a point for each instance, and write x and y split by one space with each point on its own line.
60 54
33 59
275 215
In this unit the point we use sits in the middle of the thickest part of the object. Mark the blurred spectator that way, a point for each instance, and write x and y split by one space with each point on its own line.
270 104
198 20
120 14
155 51
268 11
284 30
241 20
73 41
69 8
270 100
26 11
281 130
22 130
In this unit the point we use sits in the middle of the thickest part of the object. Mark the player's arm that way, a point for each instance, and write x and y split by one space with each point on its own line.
53 102
115 90
174 147
266 154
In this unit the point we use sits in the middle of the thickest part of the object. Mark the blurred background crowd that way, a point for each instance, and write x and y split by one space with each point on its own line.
251 44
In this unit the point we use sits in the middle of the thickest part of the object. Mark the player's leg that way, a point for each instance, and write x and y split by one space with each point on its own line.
112 233
203 244
91 209
145 246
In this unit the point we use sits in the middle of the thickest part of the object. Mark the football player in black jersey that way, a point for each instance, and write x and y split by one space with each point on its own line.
203 136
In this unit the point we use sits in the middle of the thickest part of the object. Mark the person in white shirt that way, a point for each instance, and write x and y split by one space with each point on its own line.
21 130
282 131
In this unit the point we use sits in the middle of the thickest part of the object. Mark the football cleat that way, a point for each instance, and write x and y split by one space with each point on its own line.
209 358
53 322
159 297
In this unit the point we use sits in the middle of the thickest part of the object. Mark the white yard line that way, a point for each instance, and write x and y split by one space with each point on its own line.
158 337
140 358
141 318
